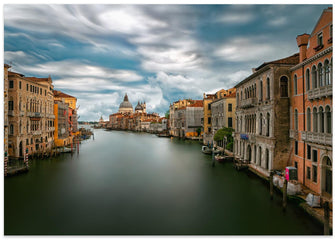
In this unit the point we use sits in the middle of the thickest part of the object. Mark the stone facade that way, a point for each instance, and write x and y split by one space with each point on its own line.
5 107
262 116
30 114
311 108
174 129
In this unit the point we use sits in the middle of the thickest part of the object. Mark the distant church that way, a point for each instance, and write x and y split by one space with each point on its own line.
127 107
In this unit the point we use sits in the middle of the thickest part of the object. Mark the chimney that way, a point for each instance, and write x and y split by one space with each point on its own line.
302 41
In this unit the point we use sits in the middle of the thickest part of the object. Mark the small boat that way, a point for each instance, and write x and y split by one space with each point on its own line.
207 150
65 150
219 158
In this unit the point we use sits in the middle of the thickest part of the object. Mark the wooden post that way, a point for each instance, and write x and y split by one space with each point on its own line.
326 218
271 185
285 195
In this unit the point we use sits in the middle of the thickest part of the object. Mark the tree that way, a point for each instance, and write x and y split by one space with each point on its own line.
225 132
198 131
167 114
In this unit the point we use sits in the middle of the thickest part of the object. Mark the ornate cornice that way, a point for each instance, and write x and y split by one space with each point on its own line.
312 59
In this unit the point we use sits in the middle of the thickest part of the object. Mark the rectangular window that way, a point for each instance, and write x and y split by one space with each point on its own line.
27 141
209 106
309 151
230 107
296 166
209 130
11 84
296 148
320 39
209 120
10 105
230 122
40 91
27 87
308 173
315 156
45 92
20 85
31 88
315 174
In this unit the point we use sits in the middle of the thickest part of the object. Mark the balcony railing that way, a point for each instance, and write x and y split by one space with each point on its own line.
38 132
249 102
21 113
321 138
293 133
11 113
318 93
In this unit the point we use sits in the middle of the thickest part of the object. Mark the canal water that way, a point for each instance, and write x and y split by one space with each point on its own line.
139 184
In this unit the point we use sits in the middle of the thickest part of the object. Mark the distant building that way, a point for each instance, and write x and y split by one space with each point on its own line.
125 106
311 95
5 107
174 129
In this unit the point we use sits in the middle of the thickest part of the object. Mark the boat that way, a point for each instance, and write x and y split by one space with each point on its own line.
65 150
207 150
219 158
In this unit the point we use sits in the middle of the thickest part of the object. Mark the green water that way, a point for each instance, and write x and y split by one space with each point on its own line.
135 184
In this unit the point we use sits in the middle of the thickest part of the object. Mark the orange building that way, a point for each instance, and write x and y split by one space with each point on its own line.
311 107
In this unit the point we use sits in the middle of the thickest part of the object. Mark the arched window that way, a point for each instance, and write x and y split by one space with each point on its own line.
296 119
315 120
268 88
283 86
295 86
20 127
11 129
267 159
314 77
268 124
261 90
327 72
255 90
237 124
328 120
308 120
260 156
307 80
321 120
27 126
260 124
320 75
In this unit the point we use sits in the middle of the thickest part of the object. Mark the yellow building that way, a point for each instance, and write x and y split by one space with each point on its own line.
207 120
62 136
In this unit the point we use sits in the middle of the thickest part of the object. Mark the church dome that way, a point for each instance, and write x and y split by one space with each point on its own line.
126 103
138 107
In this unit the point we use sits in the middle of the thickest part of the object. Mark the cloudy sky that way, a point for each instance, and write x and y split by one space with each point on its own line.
154 53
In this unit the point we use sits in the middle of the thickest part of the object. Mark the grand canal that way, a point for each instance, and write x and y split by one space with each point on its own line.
133 183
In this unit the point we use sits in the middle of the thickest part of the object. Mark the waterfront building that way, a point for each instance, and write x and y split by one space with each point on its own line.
174 130
62 134
223 112
262 116
30 114
73 116
125 106
311 108
207 108
5 107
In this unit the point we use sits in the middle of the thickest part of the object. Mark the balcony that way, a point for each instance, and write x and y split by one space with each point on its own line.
320 138
293 133
247 103
38 132
34 114
11 113
21 113
50 116
51 129
318 93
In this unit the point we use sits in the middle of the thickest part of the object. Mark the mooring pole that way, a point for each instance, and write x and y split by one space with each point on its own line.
326 218
213 158
285 195
271 185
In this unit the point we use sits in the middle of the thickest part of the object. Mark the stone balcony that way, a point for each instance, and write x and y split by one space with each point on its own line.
318 93
11 113
294 133
38 132
321 138
51 129
33 114
21 113
247 103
